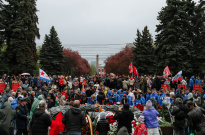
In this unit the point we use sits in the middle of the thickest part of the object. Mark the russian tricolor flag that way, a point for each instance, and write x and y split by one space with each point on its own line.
178 76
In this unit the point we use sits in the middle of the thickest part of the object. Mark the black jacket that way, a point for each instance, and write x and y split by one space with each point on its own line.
103 127
40 122
196 119
180 113
21 119
124 119
100 97
74 120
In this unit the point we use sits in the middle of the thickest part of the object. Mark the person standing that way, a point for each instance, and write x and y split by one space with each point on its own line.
191 83
179 113
40 120
7 115
196 119
61 83
150 119
124 117
74 119
198 81
131 83
103 125
22 117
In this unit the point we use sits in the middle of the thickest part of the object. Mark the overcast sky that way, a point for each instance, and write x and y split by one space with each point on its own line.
97 21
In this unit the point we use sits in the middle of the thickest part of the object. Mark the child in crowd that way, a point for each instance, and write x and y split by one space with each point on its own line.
150 119
103 125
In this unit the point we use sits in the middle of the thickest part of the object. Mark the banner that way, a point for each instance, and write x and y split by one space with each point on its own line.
166 72
15 86
183 86
130 68
165 86
2 87
197 87
135 72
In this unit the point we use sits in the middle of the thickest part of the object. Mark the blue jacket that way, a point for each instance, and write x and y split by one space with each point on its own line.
143 100
204 97
148 96
150 116
113 100
90 83
119 97
14 104
91 102
161 98
155 96
198 81
191 82
138 101
109 93
185 96
129 100
118 92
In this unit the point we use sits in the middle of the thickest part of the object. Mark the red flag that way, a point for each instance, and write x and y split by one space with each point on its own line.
135 72
130 68
166 72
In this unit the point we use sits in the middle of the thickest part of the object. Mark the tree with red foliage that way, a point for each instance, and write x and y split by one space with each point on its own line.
119 63
74 64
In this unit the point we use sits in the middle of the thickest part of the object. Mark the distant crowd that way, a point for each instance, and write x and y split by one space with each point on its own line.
98 89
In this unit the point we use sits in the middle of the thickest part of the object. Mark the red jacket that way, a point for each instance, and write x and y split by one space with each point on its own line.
61 81
64 94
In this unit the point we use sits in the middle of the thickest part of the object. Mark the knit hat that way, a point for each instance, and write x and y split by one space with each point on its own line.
149 104
126 106
124 95
102 116
190 95
10 99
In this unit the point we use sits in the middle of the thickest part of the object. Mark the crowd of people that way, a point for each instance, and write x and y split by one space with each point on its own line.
28 105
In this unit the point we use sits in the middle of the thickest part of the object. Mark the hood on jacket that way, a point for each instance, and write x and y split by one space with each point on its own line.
178 101
190 95
5 105
192 77
40 97
123 131
14 102
75 110
102 116
38 112
149 104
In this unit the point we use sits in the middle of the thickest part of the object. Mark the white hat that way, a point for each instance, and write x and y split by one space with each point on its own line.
10 99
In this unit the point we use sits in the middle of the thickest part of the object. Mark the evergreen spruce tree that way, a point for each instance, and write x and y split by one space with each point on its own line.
173 39
51 54
20 24
198 36
143 51
1 24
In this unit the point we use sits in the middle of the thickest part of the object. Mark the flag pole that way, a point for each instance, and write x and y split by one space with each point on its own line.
39 78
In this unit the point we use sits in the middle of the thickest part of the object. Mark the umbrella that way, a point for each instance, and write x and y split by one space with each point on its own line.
25 74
